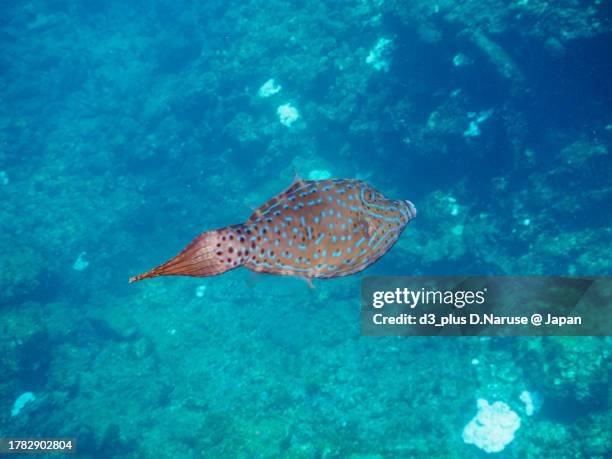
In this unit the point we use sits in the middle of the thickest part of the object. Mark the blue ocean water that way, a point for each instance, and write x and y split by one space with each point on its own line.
128 128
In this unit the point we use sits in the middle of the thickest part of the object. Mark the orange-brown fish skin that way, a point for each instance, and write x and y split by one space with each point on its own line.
342 227
314 229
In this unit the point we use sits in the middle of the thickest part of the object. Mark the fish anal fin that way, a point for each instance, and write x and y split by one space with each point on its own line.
308 281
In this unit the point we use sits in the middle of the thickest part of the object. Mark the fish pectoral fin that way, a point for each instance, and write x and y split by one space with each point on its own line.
371 228
365 227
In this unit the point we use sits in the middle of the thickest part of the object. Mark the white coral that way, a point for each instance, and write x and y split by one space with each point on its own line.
493 427
22 401
287 114
269 88
379 55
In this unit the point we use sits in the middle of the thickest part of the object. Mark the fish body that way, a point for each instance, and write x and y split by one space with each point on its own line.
314 229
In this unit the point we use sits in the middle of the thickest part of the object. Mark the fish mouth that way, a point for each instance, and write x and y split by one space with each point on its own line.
411 209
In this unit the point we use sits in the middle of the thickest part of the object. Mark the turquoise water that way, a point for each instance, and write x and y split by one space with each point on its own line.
127 128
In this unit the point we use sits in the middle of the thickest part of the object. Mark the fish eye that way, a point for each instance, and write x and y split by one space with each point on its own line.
369 196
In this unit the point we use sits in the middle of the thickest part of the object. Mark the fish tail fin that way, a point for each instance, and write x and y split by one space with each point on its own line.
211 253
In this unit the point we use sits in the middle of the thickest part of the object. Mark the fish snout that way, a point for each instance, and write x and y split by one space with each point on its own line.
411 209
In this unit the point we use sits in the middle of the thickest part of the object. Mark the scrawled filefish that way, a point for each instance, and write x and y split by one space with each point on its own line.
321 228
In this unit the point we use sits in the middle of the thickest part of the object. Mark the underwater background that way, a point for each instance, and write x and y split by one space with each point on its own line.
129 127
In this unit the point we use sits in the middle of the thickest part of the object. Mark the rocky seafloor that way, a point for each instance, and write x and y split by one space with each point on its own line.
126 128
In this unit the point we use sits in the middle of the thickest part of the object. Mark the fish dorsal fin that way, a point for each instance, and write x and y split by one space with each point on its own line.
297 178
297 183
255 215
